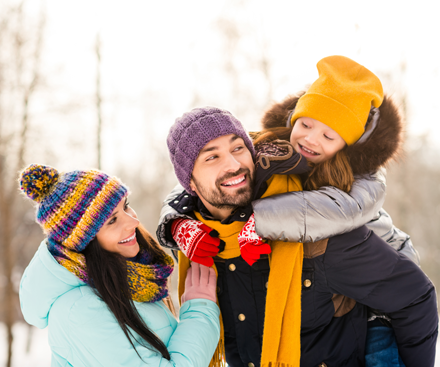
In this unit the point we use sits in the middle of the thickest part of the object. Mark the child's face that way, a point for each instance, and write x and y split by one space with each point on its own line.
314 140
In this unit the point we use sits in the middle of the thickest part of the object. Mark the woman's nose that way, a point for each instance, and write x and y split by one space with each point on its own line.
132 221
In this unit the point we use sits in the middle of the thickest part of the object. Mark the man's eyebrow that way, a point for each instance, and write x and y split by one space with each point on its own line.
210 149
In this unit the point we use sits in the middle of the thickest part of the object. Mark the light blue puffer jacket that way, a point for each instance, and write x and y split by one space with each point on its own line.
84 333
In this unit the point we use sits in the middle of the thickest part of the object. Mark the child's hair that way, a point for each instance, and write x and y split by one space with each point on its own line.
335 171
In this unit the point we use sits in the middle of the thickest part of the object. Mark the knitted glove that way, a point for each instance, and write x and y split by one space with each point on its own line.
251 244
200 282
196 240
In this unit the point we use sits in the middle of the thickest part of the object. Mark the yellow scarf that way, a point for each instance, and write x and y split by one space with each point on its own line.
229 234
282 323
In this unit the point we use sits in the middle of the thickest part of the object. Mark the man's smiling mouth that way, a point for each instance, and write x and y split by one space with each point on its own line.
235 181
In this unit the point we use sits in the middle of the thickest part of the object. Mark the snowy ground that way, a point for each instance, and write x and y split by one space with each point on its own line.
39 352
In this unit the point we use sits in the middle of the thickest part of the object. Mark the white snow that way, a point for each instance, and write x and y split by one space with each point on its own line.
39 352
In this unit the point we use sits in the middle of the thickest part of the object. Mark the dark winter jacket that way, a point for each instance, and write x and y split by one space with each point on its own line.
346 273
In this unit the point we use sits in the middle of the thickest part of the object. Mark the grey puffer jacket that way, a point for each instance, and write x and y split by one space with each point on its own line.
310 216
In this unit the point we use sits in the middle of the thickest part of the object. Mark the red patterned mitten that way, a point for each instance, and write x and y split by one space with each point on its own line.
251 244
195 240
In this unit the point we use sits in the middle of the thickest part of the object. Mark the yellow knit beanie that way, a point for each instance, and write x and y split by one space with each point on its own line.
341 97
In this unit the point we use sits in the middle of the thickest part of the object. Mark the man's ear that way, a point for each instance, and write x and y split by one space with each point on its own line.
192 185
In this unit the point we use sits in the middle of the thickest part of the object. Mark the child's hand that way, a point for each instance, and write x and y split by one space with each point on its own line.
251 244
196 240
200 282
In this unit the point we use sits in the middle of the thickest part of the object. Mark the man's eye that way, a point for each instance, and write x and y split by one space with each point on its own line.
211 158
238 148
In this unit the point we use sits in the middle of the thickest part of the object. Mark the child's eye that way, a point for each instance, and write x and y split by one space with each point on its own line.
328 137
306 126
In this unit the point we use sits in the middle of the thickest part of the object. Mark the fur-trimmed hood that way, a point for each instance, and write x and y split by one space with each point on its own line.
382 146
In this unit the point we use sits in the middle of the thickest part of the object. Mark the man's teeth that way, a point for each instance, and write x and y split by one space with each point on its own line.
235 182
128 239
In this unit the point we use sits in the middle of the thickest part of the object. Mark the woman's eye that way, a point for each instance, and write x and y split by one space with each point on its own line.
211 158
306 126
113 220
126 205
238 148
328 137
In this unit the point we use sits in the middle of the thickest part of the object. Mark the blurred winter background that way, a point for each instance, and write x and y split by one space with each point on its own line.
98 83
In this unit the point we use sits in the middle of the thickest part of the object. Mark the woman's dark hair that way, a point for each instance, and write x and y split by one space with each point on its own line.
107 273
335 171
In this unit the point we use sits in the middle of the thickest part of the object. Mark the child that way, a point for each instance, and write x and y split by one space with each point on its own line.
341 125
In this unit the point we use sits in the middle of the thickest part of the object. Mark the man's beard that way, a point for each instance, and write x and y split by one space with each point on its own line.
221 200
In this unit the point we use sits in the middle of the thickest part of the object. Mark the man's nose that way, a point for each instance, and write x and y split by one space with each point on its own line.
232 164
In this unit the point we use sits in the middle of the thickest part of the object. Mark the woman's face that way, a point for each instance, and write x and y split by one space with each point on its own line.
118 234
314 140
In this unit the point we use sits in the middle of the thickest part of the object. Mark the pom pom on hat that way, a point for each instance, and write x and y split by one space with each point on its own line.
37 180
72 206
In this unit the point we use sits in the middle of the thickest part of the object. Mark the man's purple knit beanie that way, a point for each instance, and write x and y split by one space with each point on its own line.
191 132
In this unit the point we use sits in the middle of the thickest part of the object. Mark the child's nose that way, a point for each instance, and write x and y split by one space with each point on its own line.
311 139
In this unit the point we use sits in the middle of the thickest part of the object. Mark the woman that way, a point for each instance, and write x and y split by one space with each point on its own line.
99 280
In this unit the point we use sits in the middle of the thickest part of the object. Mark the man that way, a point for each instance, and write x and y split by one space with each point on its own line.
212 156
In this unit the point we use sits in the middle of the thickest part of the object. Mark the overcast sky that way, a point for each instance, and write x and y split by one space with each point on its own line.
156 53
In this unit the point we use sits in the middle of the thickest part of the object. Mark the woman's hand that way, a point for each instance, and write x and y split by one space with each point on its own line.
200 282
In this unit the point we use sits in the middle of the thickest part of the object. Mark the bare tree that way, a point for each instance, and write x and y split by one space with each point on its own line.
20 50
245 61
98 96
413 197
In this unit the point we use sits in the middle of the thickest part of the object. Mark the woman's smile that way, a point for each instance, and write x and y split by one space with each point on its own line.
130 241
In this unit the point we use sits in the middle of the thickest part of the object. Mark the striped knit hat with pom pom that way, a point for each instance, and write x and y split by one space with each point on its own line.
72 206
